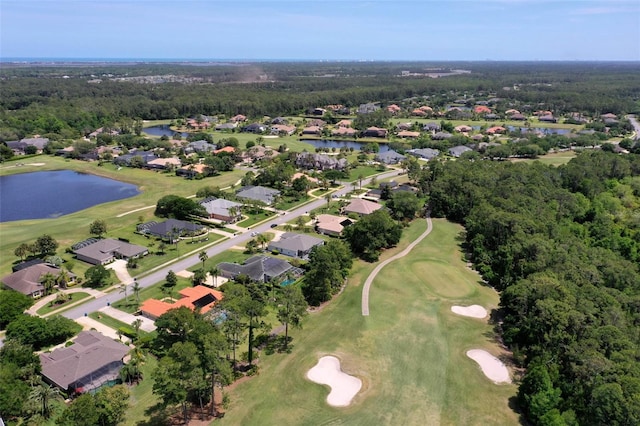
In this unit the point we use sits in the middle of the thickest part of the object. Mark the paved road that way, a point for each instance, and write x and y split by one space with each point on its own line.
635 124
160 274
372 275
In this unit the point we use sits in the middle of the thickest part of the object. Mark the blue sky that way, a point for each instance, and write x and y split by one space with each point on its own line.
317 30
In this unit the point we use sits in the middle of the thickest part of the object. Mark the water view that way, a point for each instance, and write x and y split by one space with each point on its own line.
357 146
42 195
162 130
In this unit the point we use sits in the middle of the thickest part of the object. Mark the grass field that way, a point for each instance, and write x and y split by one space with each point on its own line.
75 297
74 227
410 353
553 159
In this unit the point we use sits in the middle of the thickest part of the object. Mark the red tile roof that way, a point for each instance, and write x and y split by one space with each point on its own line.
156 308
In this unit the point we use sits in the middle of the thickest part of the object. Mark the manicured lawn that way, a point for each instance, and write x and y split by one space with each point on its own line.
154 292
289 203
256 218
553 159
231 256
74 298
364 171
120 216
409 353
142 396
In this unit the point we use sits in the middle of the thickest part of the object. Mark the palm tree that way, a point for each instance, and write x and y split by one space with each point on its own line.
136 324
328 198
136 290
203 257
360 177
48 281
123 289
214 273
262 239
63 278
41 395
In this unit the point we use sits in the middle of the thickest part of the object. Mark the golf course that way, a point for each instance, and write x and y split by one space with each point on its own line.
409 353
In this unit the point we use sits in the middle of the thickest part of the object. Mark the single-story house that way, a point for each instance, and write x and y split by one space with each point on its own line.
408 134
107 250
259 268
198 297
277 129
164 163
424 153
238 118
457 151
393 109
344 131
362 207
254 128
312 130
28 280
390 157
463 128
328 224
431 127
200 146
547 119
295 245
258 193
344 123
192 170
170 229
481 109
608 115
309 161
258 152
518 117
495 130
92 361
125 159
441 136
19 147
367 108
226 126
375 132
221 209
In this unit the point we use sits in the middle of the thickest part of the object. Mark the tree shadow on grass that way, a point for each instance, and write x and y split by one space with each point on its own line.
157 415
513 404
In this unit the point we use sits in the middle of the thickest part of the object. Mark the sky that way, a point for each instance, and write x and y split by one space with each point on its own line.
386 30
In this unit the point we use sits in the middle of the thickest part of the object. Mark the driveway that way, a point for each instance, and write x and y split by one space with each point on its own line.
120 268
127 318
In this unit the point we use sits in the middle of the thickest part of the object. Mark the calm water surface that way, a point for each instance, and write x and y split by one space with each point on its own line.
41 195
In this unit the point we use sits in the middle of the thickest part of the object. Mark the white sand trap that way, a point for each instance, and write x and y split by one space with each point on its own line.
343 386
491 366
475 311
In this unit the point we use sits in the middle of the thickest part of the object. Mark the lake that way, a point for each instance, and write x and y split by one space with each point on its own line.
43 195
162 130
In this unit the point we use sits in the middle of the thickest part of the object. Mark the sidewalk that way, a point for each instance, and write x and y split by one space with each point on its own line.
43 301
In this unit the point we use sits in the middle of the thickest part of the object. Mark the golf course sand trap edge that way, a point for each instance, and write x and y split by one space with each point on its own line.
474 311
492 367
343 386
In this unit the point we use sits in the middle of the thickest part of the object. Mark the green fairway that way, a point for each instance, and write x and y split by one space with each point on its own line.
409 353
552 159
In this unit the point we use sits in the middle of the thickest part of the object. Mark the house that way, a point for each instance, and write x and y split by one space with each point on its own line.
408 134
457 151
279 120
199 146
164 163
393 109
316 122
92 361
20 147
463 128
362 207
258 152
312 130
512 111
198 125
441 136
128 159
171 229
424 153
226 126
199 297
608 115
344 123
101 252
282 129
258 193
254 128
295 245
518 117
238 118
318 111
344 131
375 132
367 108
547 118
260 269
221 209
28 280
481 109
192 170
491 116
225 149
496 130
328 224
431 127
308 160
417 112
390 157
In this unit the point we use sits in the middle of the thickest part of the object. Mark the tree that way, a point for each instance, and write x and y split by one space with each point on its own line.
97 276
41 395
22 251
48 281
123 289
178 207
83 411
112 403
215 271
203 256
45 245
404 205
373 233
199 276
171 281
327 268
291 309
62 280
136 290
262 239
12 305
98 227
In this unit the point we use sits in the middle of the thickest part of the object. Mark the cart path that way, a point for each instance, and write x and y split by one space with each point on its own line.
372 275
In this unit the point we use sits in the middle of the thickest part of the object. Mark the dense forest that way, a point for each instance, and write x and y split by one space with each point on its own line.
69 102
563 247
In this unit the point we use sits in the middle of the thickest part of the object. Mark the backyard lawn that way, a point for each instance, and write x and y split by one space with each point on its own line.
409 353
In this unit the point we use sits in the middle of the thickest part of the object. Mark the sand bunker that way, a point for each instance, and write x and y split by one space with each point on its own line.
491 366
343 386
475 311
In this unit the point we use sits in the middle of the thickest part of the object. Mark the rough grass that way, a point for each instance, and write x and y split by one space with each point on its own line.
410 352
552 159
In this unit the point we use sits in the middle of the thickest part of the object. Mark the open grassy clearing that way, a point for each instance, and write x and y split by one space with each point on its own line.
410 353
552 159
74 227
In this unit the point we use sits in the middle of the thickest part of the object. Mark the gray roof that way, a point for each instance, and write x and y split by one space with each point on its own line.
201 146
390 157
166 228
441 136
309 160
259 268
259 193
219 206
457 151
103 250
90 353
39 143
426 153
27 280
295 242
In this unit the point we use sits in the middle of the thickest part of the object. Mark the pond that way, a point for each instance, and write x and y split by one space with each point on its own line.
42 195
357 146
162 130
